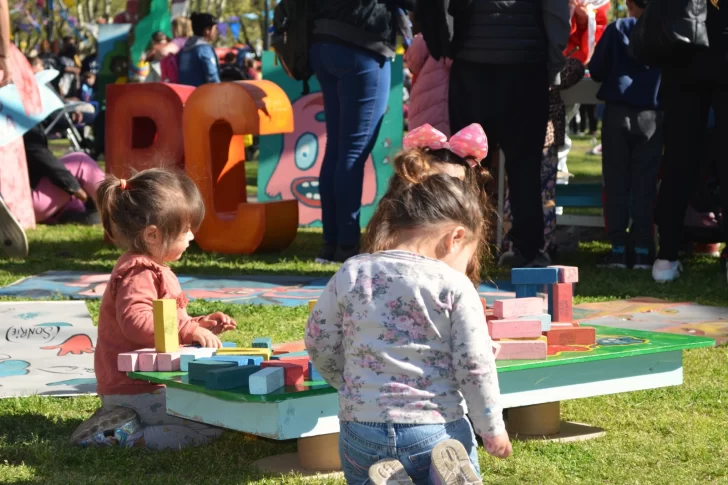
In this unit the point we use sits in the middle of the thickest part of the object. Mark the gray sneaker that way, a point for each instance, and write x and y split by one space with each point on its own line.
389 472
12 236
117 426
451 465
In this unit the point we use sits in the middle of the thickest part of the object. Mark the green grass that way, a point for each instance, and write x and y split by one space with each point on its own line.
675 435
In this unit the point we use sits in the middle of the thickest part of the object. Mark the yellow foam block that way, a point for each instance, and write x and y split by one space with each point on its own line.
265 353
166 332
311 305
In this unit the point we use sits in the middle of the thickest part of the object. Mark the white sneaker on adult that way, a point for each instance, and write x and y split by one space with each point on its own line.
664 271
13 241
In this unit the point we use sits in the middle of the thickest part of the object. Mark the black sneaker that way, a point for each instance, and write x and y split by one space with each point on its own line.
615 259
515 259
345 252
326 253
642 259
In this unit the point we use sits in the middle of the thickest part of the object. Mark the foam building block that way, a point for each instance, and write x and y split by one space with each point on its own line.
229 377
297 346
544 318
522 349
265 353
515 328
567 274
197 370
166 332
496 349
263 343
168 362
228 345
311 305
267 380
572 336
293 373
216 117
563 300
129 361
302 361
288 355
555 325
526 291
534 276
148 362
517 307
313 374
186 358
240 360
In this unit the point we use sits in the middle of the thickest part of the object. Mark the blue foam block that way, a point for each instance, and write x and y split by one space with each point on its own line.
229 345
526 291
198 370
303 353
185 359
551 300
313 373
240 360
229 377
267 380
545 319
263 343
534 276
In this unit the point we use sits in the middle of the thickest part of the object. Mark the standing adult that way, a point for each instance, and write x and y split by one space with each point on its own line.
354 43
70 68
696 79
181 31
506 55
197 60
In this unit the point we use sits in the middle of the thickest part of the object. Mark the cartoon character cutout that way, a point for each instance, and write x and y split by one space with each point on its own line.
297 174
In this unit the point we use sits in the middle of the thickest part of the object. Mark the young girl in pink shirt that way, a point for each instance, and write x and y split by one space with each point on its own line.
152 216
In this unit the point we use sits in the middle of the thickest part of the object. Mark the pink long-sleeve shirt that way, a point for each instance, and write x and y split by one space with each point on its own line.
126 320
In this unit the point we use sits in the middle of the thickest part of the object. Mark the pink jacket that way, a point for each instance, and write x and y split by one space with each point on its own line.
429 96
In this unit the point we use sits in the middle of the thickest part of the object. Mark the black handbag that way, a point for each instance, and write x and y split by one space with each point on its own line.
668 27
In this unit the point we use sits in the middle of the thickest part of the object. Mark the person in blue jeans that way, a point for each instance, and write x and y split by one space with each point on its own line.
354 43
197 61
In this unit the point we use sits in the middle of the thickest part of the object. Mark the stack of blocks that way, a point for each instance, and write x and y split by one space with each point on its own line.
519 327
260 368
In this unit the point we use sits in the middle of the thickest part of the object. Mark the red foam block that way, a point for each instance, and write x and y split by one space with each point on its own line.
292 372
563 300
302 361
572 336
298 346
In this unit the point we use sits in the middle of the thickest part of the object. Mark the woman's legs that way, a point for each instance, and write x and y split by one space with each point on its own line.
48 199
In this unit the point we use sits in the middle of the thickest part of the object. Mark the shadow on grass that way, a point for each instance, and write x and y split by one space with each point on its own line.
35 444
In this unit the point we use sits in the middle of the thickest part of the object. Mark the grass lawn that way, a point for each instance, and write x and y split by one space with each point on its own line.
675 435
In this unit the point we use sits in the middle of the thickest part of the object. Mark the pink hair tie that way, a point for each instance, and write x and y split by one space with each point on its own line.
123 184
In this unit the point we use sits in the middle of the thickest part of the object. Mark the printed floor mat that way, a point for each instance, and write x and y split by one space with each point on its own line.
47 349
262 289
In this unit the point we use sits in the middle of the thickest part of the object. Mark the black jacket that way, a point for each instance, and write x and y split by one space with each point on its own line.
42 162
364 23
501 32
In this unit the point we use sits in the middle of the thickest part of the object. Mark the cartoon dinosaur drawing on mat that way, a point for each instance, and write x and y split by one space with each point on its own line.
76 345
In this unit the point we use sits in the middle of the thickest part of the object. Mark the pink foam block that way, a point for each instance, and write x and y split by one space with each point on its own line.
522 349
129 361
556 325
496 349
567 274
168 362
517 307
148 362
514 328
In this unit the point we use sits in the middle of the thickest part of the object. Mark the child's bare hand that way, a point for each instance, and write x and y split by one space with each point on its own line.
498 446
206 338
218 322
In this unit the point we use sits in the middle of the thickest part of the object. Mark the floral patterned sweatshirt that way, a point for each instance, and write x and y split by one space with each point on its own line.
403 338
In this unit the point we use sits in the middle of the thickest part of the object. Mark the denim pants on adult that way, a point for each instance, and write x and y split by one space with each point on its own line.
355 84
363 444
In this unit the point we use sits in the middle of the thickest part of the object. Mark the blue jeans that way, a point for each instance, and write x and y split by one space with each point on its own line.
363 444
355 84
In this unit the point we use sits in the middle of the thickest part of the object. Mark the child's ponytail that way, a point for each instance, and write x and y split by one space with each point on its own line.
108 194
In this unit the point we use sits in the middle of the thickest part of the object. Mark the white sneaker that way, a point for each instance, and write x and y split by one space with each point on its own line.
664 271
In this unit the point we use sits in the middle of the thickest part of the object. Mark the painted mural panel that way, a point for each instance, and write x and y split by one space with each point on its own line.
290 163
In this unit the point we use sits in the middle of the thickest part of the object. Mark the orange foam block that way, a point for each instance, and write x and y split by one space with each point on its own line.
572 336
567 274
168 362
298 346
535 349
292 372
563 300
517 307
129 361
514 328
